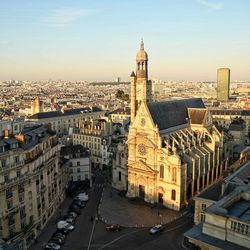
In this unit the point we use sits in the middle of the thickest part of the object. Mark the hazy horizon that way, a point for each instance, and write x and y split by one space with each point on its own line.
98 40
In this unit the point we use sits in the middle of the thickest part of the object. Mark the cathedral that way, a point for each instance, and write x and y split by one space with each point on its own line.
174 150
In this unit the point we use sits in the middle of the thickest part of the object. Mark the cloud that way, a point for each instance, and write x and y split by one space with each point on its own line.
211 4
65 16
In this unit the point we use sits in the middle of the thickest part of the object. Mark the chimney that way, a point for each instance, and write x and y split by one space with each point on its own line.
20 138
6 134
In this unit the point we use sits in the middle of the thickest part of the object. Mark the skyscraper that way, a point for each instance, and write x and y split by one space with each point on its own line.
223 84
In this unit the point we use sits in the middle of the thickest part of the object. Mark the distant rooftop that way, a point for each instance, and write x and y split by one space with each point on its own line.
220 111
123 111
51 114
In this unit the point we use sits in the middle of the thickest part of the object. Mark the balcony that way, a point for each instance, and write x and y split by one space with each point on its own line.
11 222
20 190
22 215
9 195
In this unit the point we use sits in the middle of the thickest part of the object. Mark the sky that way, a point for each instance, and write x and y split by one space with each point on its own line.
98 40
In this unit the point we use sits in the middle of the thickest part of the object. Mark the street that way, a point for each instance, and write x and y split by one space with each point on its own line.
91 235
81 237
132 238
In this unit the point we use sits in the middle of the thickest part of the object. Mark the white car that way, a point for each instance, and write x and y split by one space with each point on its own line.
64 224
156 229
83 197
52 246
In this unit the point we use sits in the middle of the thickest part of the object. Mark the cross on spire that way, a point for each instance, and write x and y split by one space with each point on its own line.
142 44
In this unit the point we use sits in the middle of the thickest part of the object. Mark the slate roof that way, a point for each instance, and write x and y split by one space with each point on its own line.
212 192
51 114
74 150
123 111
44 115
173 113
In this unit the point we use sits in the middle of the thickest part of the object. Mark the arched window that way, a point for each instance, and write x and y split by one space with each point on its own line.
162 172
138 66
174 174
173 195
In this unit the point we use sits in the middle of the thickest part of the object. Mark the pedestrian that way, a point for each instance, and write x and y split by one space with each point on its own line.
96 219
158 213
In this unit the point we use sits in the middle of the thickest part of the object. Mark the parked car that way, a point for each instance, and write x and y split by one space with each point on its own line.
56 240
69 219
52 246
82 197
113 227
76 209
73 214
59 235
64 224
156 229
63 231
79 203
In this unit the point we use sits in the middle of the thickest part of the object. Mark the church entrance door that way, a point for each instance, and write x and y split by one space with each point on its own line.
160 198
142 191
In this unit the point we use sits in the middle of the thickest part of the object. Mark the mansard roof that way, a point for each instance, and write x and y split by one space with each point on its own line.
52 114
173 113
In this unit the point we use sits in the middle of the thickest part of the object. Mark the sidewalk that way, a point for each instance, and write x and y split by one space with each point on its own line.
116 209
50 228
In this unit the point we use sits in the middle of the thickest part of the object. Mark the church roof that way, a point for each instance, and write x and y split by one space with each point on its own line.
173 113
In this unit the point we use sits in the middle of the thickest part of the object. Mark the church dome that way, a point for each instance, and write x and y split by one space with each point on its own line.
142 54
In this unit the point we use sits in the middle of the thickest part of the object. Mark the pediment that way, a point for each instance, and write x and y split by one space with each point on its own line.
142 166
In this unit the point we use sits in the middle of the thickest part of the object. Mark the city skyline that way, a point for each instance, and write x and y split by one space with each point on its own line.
90 40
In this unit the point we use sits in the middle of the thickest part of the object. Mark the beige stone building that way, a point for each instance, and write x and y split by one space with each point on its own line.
221 218
121 115
31 183
61 122
174 150
92 134
224 118
119 164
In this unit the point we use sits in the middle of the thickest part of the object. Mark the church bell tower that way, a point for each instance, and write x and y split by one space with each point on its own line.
140 89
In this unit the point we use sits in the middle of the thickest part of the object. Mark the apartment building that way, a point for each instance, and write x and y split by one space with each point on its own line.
62 121
31 183
224 117
92 134
119 164
78 162
121 115
222 213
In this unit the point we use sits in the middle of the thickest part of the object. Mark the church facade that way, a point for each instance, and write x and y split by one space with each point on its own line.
174 150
